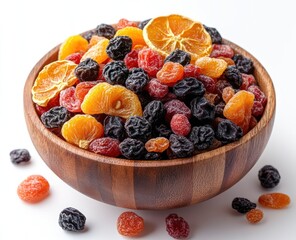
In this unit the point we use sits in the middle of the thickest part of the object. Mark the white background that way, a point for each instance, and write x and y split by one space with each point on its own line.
28 29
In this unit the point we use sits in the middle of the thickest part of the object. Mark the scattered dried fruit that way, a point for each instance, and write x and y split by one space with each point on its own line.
70 219
130 224
254 215
274 200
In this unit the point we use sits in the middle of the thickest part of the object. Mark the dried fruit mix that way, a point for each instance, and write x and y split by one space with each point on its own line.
149 90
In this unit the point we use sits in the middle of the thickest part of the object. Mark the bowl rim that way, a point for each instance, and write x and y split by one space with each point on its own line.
262 123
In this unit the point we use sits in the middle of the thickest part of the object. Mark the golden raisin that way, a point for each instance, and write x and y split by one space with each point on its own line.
254 215
159 144
212 67
170 73
130 224
33 189
274 200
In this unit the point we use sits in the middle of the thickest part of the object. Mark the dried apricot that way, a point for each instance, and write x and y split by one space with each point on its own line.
81 129
53 78
274 200
136 34
98 51
167 33
113 100
212 67
72 44
33 189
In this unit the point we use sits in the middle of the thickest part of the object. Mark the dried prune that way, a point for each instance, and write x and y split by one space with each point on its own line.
243 64
202 137
202 110
70 219
154 112
177 227
20 155
179 56
189 87
55 117
243 205
215 35
227 131
115 72
233 75
87 70
114 127
132 148
105 30
138 127
118 47
137 80
181 146
269 176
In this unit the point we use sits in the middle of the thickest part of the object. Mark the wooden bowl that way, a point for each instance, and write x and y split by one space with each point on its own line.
138 184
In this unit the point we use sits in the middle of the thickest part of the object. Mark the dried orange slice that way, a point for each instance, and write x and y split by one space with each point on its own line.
98 51
113 100
81 129
167 33
52 79
71 45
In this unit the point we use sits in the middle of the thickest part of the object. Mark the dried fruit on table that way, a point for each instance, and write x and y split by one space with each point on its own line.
112 100
177 227
254 215
70 219
72 44
81 129
130 224
158 144
239 109
167 33
19 155
33 189
269 176
53 78
274 200
242 205
212 67
136 34
98 51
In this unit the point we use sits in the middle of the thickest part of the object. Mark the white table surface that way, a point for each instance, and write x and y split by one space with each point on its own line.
28 29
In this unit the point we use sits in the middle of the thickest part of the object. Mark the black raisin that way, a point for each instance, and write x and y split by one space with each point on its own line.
88 35
162 130
181 146
234 76
132 148
228 131
71 219
243 205
202 110
115 72
152 156
105 30
87 70
202 137
154 112
19 156
138 127
219 108
243 64
143 23
269 176
118 47
179 56
55 117
215 35
136 80
114 127
189 87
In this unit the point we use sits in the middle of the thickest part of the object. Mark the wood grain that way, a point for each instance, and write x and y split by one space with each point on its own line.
151 184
